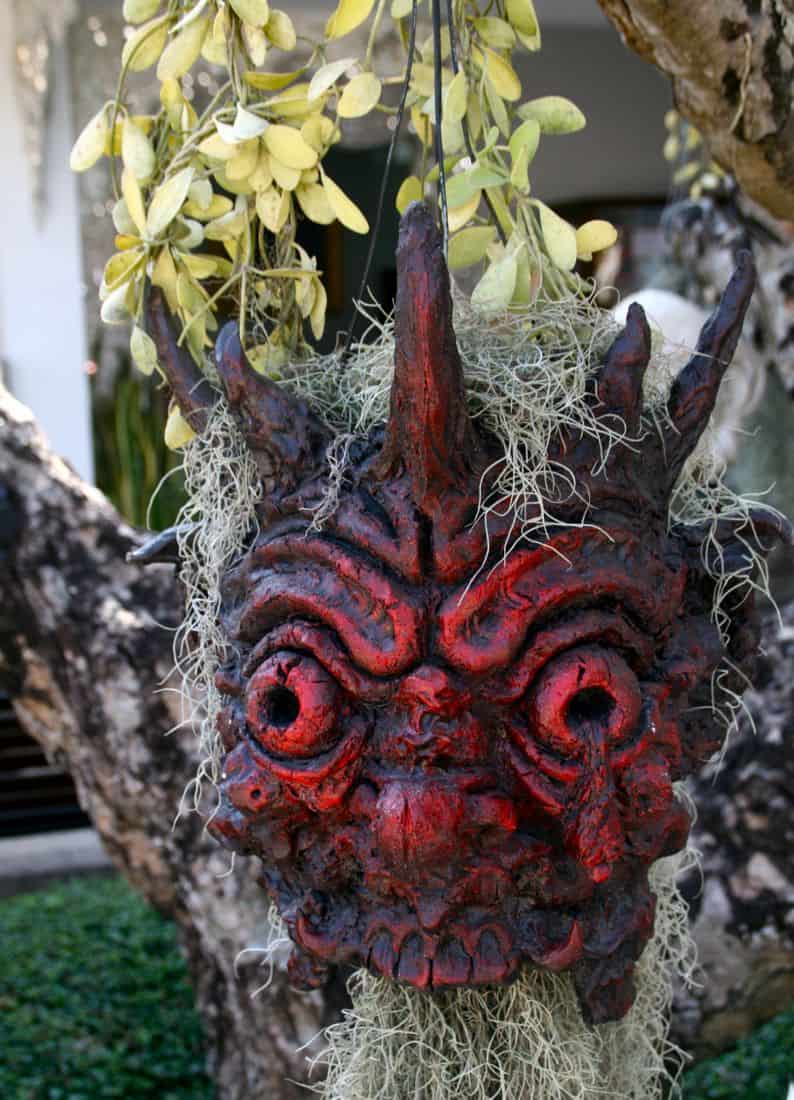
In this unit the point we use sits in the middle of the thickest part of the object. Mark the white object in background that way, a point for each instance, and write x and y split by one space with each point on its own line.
676 323
790 1094
42 328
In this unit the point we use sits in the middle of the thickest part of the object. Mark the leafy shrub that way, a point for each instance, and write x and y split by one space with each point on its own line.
759 1067
95 1000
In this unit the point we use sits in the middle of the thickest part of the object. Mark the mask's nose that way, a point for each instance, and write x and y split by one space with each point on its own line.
427 825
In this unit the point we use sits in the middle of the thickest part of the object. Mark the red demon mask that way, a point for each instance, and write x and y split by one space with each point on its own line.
455 760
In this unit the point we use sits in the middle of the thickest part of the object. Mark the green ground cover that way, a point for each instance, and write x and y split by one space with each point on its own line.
95 1003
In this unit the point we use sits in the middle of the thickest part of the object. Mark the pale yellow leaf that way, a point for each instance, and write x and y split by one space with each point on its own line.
262 176
345 209
120 268
230 225
289 146
314 203
327 75
183 51
469 246
521 14
144 47
410 191
178 433
243 163
317 316
200 267
164 276
400 8
500 72
219 205
493 292
456 98
360 96
137 151
287 178
273 208
255 12
457 216
143 351
594 236
91 143
319 132
280 30
123 221
559 237
255 41
495 32
167 202
201 194
247 125
554 113
115 308
131 192
216 148
138 11
349 14
271 82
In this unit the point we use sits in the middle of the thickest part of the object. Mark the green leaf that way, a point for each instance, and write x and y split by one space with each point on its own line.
559 237
554 113
410 191
527 135
470 246
495 289
456 98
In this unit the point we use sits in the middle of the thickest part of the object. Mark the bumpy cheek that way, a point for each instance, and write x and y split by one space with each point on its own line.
655 822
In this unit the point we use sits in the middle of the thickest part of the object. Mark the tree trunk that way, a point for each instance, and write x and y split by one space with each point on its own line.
86 657
743 907
731 63
84 654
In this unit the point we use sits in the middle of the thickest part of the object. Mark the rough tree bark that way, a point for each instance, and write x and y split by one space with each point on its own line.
85 651
731 64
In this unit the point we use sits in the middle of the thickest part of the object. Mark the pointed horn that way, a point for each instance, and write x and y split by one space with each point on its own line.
429 432
620 378
287 440
192 392
694 392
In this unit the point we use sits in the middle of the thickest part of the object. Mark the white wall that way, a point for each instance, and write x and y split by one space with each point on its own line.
42 336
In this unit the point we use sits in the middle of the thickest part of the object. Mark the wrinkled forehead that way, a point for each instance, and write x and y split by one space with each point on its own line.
389 624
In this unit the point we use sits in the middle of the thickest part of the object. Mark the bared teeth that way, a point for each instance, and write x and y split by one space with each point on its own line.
452 964
383 957
414 966
490 964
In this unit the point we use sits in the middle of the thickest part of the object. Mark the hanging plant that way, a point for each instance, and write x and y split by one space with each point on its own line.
465 603
243 173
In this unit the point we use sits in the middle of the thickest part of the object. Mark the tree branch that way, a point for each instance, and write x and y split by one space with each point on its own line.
731 63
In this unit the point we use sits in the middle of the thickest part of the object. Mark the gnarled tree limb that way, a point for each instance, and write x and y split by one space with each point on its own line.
731 63
85 653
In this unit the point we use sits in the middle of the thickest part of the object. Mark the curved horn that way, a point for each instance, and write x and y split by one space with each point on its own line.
429 431
694 392
191 390
286 439
620 378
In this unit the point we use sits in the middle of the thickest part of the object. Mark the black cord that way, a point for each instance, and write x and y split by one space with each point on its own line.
453 53
439 142
384 181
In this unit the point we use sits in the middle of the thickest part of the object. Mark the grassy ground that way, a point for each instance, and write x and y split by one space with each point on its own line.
95 1004
94 999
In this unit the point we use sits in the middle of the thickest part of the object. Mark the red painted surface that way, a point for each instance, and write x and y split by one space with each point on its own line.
449 771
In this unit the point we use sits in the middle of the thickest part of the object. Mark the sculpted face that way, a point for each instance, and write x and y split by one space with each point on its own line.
450 771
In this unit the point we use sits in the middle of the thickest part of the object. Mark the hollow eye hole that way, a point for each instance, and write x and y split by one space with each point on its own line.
590 707
293 706
282 707
587 694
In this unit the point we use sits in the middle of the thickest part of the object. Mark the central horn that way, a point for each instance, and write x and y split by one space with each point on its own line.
429 433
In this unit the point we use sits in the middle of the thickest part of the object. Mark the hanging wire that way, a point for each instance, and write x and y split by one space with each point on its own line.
439 112
453 54
398 121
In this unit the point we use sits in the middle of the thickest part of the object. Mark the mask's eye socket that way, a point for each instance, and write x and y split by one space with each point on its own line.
292 706
589 692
